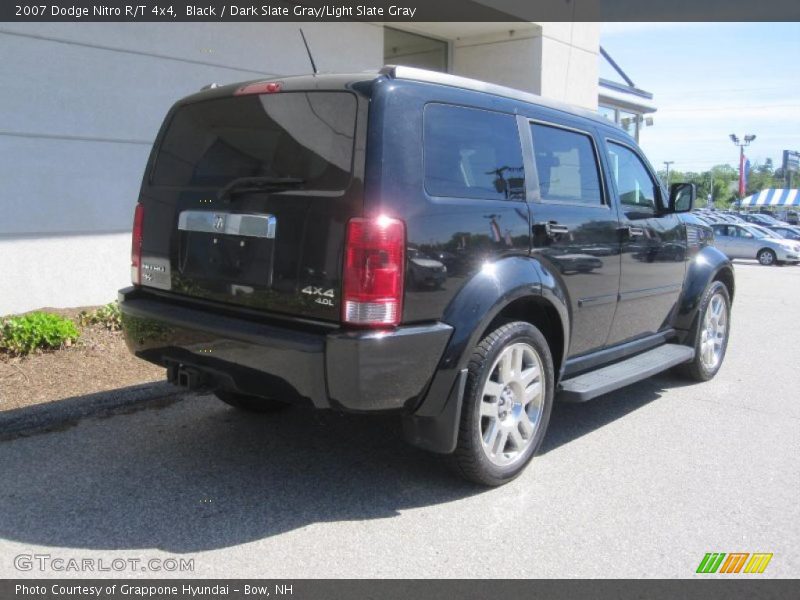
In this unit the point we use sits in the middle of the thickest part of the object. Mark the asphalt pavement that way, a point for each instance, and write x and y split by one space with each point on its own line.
639 483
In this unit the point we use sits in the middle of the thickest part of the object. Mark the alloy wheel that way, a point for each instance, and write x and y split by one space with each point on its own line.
715 329
511 404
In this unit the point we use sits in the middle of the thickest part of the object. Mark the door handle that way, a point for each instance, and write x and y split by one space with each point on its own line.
551 228
632 231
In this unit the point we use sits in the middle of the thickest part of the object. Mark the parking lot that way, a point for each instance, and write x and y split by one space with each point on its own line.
640 483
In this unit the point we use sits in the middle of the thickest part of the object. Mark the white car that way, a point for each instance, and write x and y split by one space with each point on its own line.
751 241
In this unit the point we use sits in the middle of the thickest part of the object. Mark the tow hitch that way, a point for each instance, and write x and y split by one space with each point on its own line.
186 377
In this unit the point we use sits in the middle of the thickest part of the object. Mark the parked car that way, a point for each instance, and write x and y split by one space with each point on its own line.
732 216
754 242
789 232
271 262
762 219
789 216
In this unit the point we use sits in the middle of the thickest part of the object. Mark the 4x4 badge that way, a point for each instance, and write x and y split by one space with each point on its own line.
323 297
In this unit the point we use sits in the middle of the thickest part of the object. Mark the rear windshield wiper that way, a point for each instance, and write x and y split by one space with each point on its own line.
244 184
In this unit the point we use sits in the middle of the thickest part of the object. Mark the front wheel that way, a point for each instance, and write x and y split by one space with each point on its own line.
710 334
767 257
507 404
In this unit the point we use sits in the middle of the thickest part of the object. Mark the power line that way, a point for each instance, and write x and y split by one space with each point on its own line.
740 107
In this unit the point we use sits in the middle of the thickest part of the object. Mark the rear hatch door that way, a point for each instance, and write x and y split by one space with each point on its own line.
247 198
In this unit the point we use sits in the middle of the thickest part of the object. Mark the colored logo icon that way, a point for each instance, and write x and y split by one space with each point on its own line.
734 562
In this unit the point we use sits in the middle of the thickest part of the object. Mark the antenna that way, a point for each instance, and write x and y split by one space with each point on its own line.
310 57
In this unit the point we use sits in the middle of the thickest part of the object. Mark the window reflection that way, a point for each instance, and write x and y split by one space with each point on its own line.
471 153
566 165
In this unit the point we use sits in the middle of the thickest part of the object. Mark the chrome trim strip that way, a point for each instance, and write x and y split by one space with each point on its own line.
646 293
223 223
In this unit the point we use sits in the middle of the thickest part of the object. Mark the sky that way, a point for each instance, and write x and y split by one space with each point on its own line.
710 80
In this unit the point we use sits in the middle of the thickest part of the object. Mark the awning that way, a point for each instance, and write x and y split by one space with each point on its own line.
773 197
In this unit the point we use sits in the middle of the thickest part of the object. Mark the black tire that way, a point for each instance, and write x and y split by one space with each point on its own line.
767 257
470 460
254 404
697 370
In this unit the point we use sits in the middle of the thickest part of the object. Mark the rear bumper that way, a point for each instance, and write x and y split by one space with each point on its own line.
354 370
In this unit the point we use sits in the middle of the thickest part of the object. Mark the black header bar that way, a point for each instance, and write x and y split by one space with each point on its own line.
395 589
397 10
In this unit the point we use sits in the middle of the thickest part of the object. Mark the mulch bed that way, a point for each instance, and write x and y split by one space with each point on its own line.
99 361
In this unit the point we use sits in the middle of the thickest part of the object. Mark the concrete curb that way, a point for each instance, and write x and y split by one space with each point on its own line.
61 414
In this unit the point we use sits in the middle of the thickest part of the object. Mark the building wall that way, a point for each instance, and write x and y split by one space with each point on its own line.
556 60
82 103
511 58
570 57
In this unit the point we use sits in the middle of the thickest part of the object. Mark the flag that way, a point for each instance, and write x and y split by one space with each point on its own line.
494 230
744 168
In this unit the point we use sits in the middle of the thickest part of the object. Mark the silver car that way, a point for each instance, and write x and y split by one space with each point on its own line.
749 241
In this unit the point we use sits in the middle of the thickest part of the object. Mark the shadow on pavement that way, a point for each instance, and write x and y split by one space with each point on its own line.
572 421
198 475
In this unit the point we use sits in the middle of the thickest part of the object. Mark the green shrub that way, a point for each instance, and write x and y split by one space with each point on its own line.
108 316
23 334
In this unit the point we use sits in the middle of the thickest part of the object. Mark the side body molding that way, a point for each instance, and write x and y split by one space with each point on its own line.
434 424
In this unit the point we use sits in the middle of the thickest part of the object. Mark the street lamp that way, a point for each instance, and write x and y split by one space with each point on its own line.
667 163
746 142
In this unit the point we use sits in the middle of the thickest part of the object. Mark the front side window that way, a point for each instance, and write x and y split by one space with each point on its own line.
472 153
566 165
637 190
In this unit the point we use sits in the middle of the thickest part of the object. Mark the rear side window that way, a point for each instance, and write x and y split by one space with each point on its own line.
301 135
566 165
472 153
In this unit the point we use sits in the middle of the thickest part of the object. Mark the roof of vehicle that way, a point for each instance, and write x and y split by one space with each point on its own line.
466 83
327 81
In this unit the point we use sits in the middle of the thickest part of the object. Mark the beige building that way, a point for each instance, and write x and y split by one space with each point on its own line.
82 103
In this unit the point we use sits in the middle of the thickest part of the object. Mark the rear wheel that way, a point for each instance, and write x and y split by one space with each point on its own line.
767 257
247 403
507 404
710 334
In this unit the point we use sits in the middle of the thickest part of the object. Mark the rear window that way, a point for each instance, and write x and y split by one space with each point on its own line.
471 153
305 135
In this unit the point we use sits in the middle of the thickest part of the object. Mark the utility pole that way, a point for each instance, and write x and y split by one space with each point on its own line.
710 200
667 163
746 142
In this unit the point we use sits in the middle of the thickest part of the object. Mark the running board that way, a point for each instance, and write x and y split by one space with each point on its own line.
607 379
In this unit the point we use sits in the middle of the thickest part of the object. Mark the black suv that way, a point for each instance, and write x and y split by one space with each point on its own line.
457 252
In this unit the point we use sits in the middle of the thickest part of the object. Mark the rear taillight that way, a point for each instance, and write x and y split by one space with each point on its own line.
136 245
374 261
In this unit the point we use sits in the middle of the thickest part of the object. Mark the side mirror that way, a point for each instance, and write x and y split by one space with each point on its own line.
682 197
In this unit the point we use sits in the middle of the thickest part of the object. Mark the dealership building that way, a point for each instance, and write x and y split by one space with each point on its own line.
82 103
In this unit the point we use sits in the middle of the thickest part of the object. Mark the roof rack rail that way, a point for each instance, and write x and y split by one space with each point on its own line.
437 77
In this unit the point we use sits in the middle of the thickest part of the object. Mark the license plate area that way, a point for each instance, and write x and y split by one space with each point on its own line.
230 252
